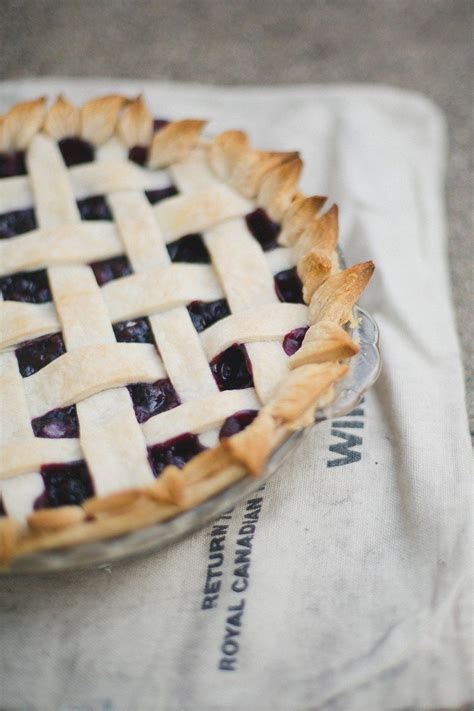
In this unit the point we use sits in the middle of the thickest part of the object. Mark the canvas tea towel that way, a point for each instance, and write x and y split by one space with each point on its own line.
344 583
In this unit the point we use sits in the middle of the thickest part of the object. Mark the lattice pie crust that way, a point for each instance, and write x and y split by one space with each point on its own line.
220 181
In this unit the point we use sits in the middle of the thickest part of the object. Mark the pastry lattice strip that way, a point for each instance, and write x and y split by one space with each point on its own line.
244 272
62 238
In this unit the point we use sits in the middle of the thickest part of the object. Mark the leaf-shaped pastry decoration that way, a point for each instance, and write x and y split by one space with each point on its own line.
135 125
63 119
99 118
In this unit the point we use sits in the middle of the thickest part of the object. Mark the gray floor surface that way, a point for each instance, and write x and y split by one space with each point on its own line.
423 45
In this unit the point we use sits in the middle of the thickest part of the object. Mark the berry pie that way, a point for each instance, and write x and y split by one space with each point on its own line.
172 308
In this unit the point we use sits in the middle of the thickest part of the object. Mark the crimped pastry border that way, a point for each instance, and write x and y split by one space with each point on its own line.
271 179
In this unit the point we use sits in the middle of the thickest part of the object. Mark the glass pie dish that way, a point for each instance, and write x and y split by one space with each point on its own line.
365 368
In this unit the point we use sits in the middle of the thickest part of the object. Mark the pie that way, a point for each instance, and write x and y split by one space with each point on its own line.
172 309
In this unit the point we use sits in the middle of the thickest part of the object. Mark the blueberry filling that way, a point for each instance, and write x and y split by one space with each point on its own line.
12 164
263 229
109 269
136 331
36 354
288 286
30 287
205 313
155 196
2 509
151 398
17 222
237 422
189 248
76 151
175 451
232 369
57 424
293 340
65 485
138 154
158 124
94 208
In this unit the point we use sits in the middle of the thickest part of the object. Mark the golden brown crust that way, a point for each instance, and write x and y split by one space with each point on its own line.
251 169
99 118
207 464
62 120
174 142
56 519
296 398
10 532
21 123
108 527
278 188
334 300
325 341
303 387
210 486
327 230
253 445
111 503
233 160
315 247
302 211
135 124
170 487
322 232
272 178
225 151
313 269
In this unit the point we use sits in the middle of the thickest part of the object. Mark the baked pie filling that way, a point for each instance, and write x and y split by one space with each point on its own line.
172 308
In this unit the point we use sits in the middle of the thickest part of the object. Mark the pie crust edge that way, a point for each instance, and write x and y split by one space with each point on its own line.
270 178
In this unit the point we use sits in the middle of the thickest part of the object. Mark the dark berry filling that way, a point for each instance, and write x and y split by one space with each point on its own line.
288 286
94 208
158 124
293 340
12 164
17 222
151 398
175 451
136 331
65 485
109 269
2 509
138 154
36 354
75 151
237 422
263 229
205 313
155 196
232 369
58 423
31 287
189 248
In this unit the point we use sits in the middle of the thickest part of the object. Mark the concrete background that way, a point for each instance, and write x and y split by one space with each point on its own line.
423 45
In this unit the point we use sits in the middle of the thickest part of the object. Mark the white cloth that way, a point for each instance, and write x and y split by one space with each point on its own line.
358 582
